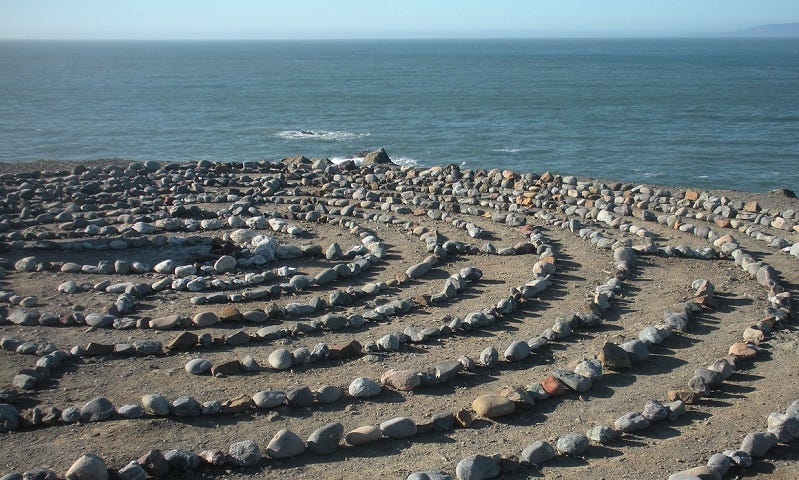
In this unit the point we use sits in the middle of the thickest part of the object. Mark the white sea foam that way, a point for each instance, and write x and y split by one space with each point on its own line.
507 150
328 135
411 162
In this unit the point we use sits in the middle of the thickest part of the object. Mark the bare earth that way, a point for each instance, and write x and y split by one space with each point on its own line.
716 423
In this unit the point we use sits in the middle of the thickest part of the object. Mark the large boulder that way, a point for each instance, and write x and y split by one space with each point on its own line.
378 157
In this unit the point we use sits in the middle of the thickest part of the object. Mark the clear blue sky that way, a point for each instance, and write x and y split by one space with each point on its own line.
251 19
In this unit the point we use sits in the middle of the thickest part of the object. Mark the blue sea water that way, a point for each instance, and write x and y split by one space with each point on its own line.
719 113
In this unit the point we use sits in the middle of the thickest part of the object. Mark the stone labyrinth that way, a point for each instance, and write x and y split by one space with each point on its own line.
302 319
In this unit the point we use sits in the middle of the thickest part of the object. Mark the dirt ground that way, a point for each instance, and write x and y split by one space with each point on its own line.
718 422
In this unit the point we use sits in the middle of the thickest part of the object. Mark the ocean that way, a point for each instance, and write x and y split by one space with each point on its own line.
709 113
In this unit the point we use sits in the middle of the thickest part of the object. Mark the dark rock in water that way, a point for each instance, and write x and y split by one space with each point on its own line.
377 157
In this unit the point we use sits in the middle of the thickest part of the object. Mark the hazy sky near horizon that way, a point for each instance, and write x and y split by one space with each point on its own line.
268 19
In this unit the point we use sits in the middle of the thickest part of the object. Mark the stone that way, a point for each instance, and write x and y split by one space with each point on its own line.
285 444
719 462
742 351
517 351
23 381
88 467
572 380
696 473
739 458
363 387
489 357
280 359
753 335
39 473
205 319
758 443
154 463
70 415
132 471
328 394
784 427
181 460
492 406
198 366
631 422
325 440
363 435
398 427
186 406
477 467
686 395
591 369
402 380
213 457
156 405
9 417
25 317
602 434
429 475
553 386
244 454
614 357
637 349
572 444
130 411
537 453
655 411
269 399
97 410
231 367
442 422
225 264
300 397
184 341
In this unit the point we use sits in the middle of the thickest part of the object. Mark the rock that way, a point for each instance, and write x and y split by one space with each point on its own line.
389 343
572 444
492 406
676 409
70 415
429 475
132 471
130 411
537 453
757 444
743 351
328 394
398 427
363 435
325 440
377 157
97 410
269 399
186 406
686 395
156 405
517 351
231 367
280 359
154 463
489 357
784 427
572 380
553 386
696 473
614 357
198 366
39 473
213 457
403 380
631 422
655 411
285 444
9 417
23 381
591 369
637 349
363 387
88 467
300 397
719 462
477 467
244 454
225 264
25 317
739 458
181 460
205 319
602 434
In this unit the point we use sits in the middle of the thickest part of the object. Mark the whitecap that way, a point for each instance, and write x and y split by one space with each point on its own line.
407 161
327 135
507 150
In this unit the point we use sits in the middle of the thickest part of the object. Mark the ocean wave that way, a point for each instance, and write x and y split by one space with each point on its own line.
507 150
328 135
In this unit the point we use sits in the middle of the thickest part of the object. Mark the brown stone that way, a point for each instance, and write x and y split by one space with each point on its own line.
691 195
229 313
227 368
402 380
743 351
213 457
753 335
464 418
154 463
614 357
422 300
722 222
492 406
688 396
362 435
553 386
546 177
236 405
752 207
184 341
517 395
347 350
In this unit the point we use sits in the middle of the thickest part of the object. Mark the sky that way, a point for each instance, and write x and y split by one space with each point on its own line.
322 19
